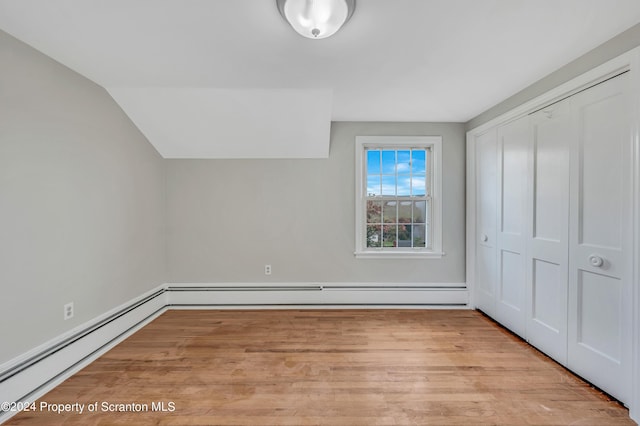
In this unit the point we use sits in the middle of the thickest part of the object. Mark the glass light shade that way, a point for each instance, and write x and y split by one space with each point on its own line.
316 18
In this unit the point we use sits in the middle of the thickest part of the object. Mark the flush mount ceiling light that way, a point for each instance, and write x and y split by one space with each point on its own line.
316 18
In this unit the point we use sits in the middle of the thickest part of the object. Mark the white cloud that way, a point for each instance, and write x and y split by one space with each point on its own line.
402 167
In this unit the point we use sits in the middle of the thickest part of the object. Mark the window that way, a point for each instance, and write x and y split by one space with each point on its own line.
398 209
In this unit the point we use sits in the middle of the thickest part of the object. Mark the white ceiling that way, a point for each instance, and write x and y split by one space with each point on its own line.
231 79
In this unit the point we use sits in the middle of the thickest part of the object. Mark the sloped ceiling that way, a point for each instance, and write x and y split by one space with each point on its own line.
231 79
231 123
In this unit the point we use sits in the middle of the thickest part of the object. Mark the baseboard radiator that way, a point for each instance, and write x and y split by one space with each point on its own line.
317 295
31 375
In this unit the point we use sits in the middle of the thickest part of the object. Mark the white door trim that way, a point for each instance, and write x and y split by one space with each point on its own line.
634 406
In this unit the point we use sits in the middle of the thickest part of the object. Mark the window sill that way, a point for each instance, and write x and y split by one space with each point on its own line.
380 254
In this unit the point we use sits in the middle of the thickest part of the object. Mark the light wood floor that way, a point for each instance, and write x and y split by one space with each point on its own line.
335 367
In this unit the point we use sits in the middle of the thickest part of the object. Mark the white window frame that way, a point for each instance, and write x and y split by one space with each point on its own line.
434 144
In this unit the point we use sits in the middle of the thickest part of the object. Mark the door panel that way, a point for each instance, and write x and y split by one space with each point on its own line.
600 241
486 278
548 257
549 310
551 177
514 157
486 216
511 272
513 145
599 297
601 182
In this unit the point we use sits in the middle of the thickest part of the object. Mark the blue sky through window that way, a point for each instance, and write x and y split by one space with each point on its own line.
396 172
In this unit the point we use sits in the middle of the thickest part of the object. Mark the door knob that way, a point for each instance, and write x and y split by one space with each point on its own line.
485 238
596 261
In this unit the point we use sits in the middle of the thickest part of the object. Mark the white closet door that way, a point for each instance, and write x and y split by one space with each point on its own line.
486 206
600 237
513 143
548 251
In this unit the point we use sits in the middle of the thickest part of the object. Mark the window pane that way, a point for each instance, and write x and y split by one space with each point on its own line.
404 162
419 235
404 185
418 186
404 212
373 162
419 211
389 212
404 235
374 211
418 165
388 162
389 186
374 235
389 234
373 186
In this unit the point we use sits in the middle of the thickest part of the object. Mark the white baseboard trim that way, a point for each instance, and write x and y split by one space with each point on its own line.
33 374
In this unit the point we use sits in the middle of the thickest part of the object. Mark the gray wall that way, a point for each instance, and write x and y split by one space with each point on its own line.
81 201
226 219
618 45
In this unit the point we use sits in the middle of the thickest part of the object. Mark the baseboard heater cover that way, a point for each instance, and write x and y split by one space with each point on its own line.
322 295
246 288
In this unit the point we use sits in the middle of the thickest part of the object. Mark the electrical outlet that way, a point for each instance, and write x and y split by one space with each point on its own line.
267 269
68 311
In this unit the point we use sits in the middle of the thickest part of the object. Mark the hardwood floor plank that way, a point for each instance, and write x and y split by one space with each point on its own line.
328 367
